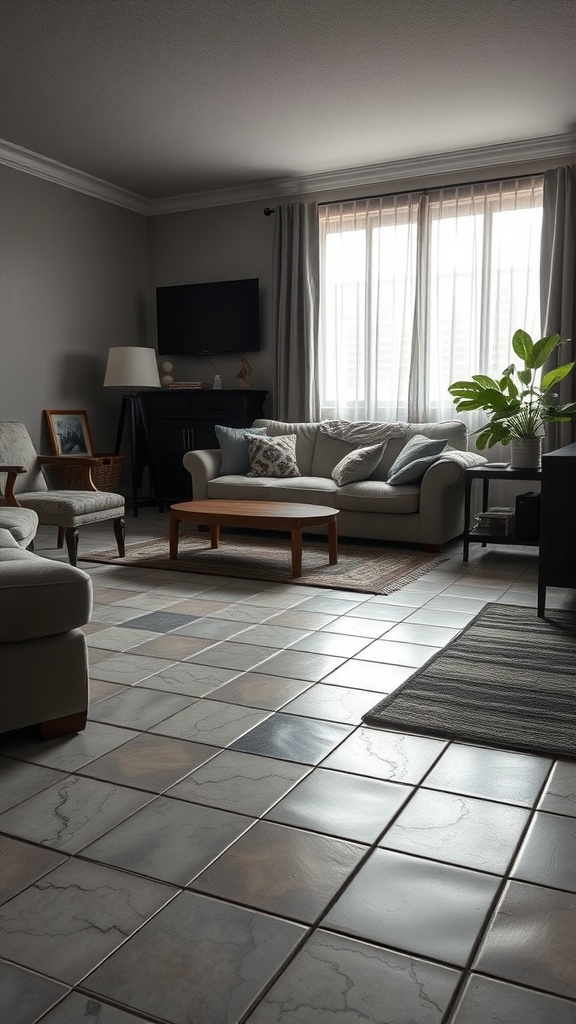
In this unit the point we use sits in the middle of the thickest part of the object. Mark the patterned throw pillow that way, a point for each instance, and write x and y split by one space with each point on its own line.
357 465
273 456
232 441
415 458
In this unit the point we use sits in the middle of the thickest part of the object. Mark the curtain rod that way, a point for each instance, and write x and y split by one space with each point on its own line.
268 211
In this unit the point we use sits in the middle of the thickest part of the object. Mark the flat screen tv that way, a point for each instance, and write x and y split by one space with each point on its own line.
214 317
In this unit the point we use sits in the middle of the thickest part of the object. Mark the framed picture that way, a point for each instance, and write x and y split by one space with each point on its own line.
69 432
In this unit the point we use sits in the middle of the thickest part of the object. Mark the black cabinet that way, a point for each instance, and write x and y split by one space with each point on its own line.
487 473
178 421
557 563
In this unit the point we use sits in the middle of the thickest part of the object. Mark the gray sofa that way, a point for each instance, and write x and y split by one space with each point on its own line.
428 512
43 654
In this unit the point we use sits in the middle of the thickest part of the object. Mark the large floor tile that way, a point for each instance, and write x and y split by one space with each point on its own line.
333 703
231 654
72 813
386 755
244 783
560 793
18 781
80 1009
531 939
261 691
25 997
369 675
272 635
69 920
341 645
367 629
488 1001
491 774
171 840
389 652
548 853
334 978
138 708
160 621
294 738
21 864
68 752
127 668
189 679
432 910
150 762
301 665
346 806
212 721
281 870
206 961
458 830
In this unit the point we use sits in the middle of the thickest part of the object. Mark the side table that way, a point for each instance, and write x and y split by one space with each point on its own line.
486 474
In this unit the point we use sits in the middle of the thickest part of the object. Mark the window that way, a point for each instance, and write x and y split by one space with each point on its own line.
422 289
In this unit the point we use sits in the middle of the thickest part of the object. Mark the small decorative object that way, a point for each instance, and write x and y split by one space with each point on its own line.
244 375
69 432
519 407
166 379
217 385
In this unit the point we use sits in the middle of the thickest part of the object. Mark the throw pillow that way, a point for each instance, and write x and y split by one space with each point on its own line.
232 441
357 465
273 456
415 458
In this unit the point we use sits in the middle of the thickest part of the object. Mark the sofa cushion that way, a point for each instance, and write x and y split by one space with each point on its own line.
378 496
414 459
309 490
234 448
39 596
306 434
21 523
357 465
272 456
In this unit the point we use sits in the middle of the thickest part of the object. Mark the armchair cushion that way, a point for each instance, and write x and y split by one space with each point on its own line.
73 508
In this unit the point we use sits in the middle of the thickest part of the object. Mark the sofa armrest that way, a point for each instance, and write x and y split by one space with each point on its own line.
203 464
441 502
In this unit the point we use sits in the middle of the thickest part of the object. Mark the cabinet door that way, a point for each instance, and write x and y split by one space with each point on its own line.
170 438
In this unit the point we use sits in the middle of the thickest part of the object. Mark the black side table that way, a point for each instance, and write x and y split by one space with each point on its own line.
486 474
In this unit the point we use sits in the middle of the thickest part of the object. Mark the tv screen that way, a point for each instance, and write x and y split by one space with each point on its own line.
218 316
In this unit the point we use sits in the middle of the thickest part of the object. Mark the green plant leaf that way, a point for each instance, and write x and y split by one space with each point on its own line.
525 376
523 346
468 405
508 385
484 381
543 349
509 370
552 378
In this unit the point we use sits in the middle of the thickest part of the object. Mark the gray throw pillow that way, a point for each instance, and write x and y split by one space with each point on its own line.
232 440
273 456
357 465
415 458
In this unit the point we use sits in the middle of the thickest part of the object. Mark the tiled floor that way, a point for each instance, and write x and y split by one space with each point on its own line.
227 842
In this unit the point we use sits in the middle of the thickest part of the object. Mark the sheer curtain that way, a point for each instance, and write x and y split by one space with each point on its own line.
419 290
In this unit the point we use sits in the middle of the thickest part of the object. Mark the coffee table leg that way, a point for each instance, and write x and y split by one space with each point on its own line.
214 535
296 541
332 542
173 537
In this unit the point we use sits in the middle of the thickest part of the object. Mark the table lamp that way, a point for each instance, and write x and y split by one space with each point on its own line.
133 368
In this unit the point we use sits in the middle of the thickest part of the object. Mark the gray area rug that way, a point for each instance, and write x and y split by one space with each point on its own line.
508 680
365 568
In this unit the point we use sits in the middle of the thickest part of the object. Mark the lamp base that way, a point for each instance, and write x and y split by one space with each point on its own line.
139 444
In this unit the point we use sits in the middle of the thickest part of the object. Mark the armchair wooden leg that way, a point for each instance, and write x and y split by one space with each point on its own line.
72 544
63 726
119 533
61 537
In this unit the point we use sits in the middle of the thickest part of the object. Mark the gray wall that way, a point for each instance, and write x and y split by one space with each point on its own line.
73 282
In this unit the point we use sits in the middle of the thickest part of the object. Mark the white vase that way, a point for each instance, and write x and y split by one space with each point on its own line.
526 452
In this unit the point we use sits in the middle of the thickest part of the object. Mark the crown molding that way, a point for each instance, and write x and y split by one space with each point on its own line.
523 151
21 159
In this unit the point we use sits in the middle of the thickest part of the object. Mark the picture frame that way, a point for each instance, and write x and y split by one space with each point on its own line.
69 431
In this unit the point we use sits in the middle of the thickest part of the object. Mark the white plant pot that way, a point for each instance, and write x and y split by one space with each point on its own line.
526 452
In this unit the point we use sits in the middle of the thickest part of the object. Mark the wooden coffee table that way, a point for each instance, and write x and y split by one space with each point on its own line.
263 515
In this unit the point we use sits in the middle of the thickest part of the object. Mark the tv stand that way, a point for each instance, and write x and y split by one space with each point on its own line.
179 421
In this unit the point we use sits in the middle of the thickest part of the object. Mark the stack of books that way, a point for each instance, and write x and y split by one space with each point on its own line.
189 385
496 520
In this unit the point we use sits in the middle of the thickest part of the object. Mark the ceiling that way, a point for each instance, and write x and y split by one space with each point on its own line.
172 97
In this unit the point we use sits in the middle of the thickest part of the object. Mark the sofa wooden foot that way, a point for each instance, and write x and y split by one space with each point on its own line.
62 726
432 549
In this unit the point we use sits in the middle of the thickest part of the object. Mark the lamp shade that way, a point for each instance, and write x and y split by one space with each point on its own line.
131 367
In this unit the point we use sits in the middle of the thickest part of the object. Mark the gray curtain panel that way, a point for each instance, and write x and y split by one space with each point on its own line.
296 278
557 285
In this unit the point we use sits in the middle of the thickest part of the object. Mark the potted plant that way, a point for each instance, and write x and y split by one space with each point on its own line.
519 405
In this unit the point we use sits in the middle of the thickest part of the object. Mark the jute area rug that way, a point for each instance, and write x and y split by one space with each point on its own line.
368 569
507 681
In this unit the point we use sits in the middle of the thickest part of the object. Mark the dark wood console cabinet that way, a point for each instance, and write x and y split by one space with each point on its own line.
557 563
178 421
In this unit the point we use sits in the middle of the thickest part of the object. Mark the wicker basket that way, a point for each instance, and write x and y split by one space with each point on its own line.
106 474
